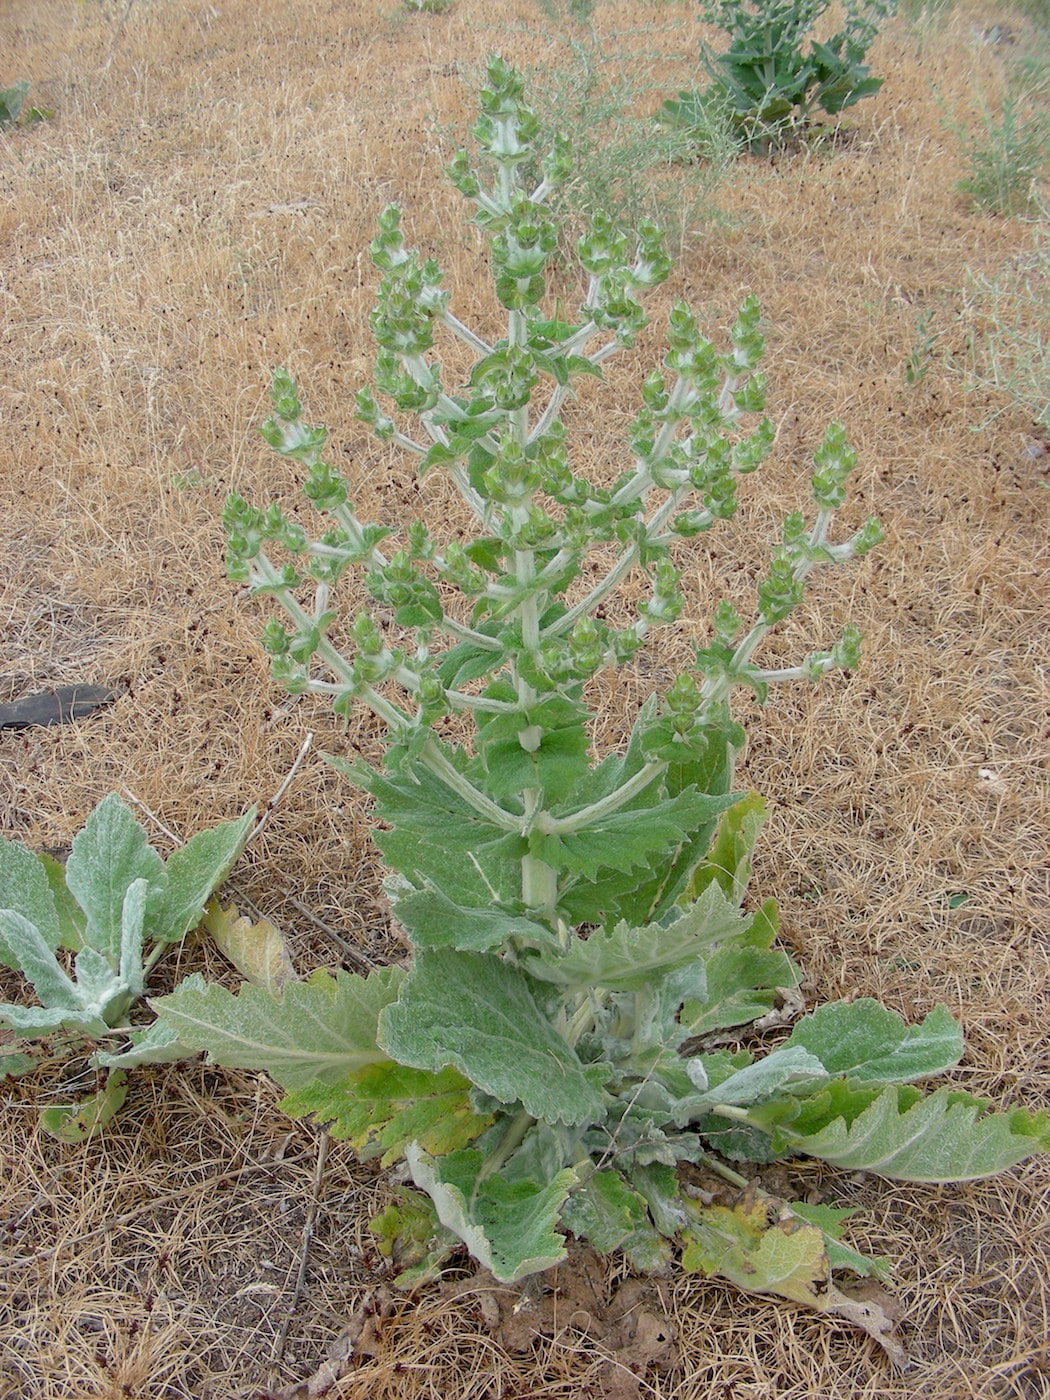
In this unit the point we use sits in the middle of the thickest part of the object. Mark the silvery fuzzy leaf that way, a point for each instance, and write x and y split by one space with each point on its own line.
787 1070
864 1041
474 1011
945 1136
24 888
35 958
193 873
109 854
631 958
507 1226
324 1028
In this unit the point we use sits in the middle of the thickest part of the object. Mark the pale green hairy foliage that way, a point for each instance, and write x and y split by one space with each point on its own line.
775 74
580 942
107 916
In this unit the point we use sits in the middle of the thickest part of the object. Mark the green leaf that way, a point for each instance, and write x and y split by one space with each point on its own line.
658 1184
72 921
556 765
34 957
475 1012
11 100
605 1211
742 984
323 1029
729 860
556 761
507 1226
626 958
868 1043
77 1122
627 840
465 663
194 873
384 1106
14 1066
435 921
24 888
946 1136
709 771
108 854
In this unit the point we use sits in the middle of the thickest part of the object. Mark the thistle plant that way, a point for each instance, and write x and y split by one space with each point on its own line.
556 1049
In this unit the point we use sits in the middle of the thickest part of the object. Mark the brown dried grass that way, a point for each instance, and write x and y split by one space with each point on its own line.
197 212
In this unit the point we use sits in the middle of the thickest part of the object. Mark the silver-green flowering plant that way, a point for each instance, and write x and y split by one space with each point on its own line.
557 1050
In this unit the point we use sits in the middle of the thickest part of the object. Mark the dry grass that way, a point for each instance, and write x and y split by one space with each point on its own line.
197 212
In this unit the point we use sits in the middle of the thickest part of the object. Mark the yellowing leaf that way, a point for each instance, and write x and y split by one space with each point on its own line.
759 1245
384 1106
257 951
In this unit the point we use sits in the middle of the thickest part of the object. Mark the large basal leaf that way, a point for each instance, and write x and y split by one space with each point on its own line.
763 1248
384 1106
323 1029
195 871
24 888
109 853
475 1012
626 958
507 1226
474 876
864 1041
432 920
945 1136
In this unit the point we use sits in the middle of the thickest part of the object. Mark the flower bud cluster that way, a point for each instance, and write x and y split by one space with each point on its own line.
522 603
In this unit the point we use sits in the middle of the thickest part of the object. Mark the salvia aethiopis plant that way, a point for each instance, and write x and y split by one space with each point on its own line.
555 1054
